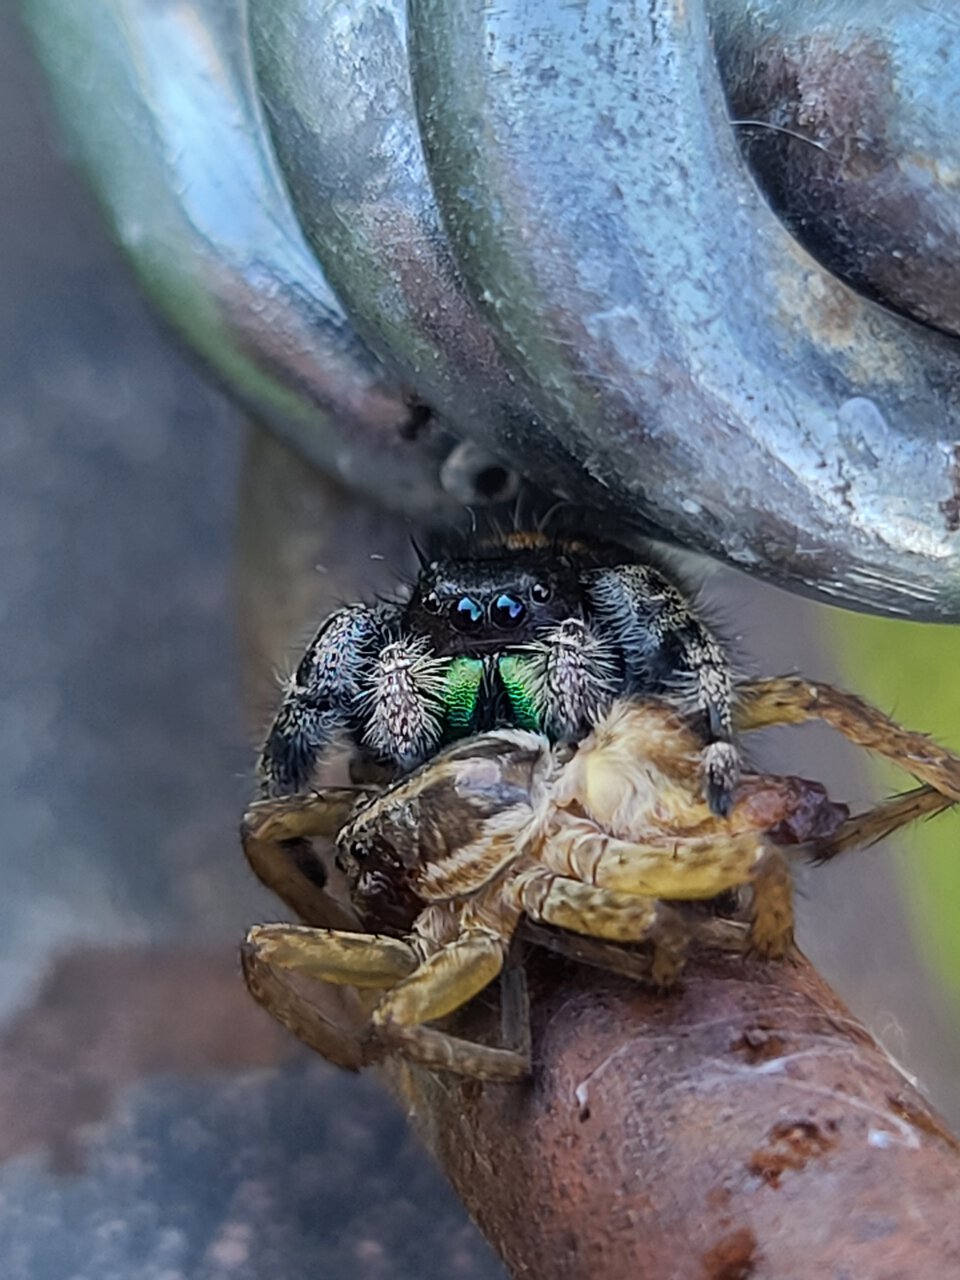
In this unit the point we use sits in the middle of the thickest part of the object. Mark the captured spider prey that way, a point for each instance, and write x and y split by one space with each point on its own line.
524 631
596 849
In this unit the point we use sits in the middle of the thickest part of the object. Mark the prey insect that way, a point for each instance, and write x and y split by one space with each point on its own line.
602 843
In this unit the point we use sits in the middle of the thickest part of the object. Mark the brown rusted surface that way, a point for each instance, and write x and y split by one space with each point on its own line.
734 1258
746 1126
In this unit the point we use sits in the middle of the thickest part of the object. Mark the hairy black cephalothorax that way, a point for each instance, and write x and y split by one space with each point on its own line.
523 631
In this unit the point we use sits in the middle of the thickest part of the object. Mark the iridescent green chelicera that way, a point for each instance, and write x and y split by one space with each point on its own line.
461 690
517 674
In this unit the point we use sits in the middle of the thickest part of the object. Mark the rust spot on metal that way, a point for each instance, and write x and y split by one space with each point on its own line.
734 1258
718 1198
791 1147
950 507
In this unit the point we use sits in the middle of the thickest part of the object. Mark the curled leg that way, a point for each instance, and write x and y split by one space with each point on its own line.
312 813
675 867
681 869
604 913
332 955
443 984
273 956
792 700
441 1051
446 981
276 838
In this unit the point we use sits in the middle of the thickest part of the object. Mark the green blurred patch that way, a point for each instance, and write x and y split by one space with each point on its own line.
912 671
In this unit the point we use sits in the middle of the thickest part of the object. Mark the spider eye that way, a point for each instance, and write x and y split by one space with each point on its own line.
507 611
431 602
540 593
466 614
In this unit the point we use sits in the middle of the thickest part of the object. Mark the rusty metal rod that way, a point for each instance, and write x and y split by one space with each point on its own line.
746 1126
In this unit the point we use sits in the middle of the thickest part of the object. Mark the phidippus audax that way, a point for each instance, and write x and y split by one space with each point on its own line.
525 631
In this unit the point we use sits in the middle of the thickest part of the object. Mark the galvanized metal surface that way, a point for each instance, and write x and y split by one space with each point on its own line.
699 363
581 279
158 104
337 93
851 123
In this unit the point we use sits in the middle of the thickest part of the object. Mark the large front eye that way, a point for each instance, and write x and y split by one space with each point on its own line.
466 614
507 611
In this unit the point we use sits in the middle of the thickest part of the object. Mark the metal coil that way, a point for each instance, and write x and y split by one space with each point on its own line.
546 231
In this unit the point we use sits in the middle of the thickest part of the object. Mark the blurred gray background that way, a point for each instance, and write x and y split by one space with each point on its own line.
152 1122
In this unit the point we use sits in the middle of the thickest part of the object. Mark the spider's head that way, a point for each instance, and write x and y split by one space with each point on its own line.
493 602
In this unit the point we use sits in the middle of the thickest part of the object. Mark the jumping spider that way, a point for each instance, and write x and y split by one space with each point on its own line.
524 632
599 841
508 657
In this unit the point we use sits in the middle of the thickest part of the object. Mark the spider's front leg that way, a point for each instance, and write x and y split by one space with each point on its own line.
362 680
323 699
644 875
320 703
277 837
667 649
417 991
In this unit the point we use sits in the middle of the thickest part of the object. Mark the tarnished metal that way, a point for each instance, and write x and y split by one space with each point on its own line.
592 246
157 101
688 351
336 86
851 121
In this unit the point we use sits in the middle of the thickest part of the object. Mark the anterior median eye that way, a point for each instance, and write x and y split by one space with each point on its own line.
466 614
507 611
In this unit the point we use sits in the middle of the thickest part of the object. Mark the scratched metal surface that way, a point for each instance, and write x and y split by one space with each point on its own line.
157 104
590 285
688 351
857 152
